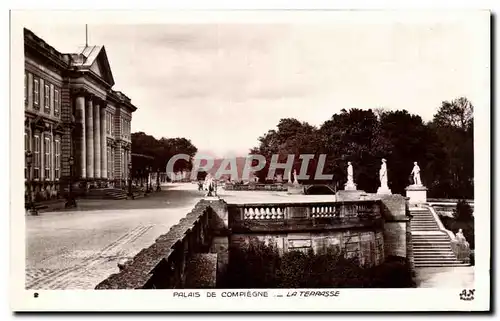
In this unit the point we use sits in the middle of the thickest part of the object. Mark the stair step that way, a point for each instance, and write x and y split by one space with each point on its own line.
436 260
420 244
430 240
440 265
435 255
432 250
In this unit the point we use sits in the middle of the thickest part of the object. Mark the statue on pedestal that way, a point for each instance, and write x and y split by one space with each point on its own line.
416 174
295 180
383 173
384 188
350 178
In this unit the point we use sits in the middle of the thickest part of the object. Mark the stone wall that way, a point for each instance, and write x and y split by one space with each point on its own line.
397 227
176 254
367 245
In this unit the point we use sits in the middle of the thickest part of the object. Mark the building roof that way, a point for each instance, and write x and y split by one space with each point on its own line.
93 58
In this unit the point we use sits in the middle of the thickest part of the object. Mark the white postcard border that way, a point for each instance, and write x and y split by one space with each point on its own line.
162 300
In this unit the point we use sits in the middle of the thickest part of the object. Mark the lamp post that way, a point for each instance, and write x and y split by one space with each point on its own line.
146 172
149 179
31 206
70 201
158 188
130 194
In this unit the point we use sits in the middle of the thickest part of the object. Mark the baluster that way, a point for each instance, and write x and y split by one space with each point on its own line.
323 211
251 213
246 215
313 211
262 213
273 213
268 214
255 213
280 213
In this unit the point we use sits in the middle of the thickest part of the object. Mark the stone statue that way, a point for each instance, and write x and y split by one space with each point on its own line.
350 174
383 174
416 174
384 188
460 236
350 186
295 181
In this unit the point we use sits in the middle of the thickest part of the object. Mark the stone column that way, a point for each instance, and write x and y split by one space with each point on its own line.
97 139
80 139
104 145
89 128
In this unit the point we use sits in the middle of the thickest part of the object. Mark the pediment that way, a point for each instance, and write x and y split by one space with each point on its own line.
101 67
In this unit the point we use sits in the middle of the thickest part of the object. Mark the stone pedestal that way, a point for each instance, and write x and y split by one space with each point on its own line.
350 195
384 190
295 189
417 194
349 186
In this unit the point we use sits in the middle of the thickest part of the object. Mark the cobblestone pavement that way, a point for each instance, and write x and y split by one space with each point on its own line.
445 277
78 249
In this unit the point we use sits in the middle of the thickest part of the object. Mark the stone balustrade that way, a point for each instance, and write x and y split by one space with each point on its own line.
282 211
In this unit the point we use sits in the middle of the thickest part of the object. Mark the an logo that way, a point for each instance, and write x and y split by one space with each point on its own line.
467 295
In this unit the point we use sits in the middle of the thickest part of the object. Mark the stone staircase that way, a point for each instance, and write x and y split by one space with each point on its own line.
111 193
431 245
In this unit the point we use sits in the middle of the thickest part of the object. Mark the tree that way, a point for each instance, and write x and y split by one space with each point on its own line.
458 113
162 151
409 140
453 125
353 136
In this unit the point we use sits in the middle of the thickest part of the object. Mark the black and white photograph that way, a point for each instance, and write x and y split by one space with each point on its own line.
274 157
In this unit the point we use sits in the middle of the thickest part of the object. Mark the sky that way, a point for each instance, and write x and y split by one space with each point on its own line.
224 85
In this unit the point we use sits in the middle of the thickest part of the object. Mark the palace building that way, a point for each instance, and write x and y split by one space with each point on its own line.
72 110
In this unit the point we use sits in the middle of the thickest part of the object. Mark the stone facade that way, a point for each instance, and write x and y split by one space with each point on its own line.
72 110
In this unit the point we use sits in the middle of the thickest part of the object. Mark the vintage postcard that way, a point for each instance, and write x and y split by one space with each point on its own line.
250 161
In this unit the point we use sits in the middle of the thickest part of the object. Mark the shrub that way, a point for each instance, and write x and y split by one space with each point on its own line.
463 212
257 265
252 265
395 272
462 219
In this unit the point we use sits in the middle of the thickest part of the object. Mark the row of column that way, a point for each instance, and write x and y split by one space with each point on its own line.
91 114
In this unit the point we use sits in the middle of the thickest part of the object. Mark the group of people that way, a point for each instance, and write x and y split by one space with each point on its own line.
209 185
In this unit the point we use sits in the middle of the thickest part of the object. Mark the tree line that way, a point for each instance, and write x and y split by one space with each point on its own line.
443 147
161 151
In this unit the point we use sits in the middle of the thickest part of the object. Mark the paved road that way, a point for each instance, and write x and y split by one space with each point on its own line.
445 277
77 249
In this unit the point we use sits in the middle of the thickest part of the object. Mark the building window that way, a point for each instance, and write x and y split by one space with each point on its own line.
25 88
56 103
123 163
57 167
112 164
47 150
26 149
37 159
47 99
36 94
108 123
110 161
